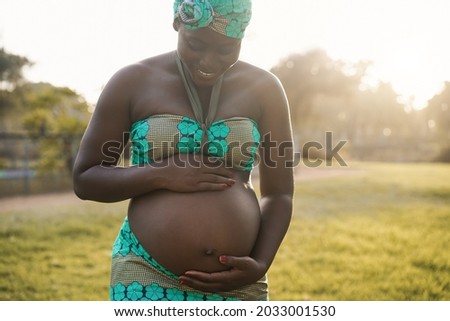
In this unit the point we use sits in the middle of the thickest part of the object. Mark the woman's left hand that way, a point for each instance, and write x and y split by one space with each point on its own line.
243 271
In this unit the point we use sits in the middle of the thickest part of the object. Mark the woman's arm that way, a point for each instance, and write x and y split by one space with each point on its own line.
95 174
276 176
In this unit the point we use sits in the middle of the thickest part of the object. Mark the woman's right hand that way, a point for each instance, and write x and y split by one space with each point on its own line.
187 172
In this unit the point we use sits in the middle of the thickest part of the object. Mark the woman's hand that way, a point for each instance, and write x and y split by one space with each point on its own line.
243 271
195 173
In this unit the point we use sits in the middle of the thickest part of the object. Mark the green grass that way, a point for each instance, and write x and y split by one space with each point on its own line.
382 234
58 253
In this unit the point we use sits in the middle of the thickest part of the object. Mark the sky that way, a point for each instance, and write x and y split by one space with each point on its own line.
80 44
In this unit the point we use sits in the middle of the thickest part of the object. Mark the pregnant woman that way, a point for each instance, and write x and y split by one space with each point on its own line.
198 121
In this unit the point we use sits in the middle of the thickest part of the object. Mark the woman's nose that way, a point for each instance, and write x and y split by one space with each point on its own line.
209 62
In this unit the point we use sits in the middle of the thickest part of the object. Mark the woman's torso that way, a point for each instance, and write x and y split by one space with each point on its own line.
189 231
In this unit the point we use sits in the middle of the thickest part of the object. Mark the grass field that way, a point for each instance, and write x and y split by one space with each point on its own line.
376 232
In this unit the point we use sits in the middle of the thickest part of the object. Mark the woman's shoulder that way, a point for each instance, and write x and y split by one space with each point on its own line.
247 67
254 72
263 80
131 82
145 68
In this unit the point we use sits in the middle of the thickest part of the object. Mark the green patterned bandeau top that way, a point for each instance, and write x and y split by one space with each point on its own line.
235 140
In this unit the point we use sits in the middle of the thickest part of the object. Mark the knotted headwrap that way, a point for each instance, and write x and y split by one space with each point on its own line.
227 17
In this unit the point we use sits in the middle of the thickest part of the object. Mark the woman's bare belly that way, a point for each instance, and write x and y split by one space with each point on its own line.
189 231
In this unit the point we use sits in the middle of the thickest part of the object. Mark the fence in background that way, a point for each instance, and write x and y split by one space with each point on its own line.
26 163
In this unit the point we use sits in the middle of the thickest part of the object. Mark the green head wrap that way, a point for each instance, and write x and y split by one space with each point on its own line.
227 17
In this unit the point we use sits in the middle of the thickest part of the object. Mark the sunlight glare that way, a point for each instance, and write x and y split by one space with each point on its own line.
405 39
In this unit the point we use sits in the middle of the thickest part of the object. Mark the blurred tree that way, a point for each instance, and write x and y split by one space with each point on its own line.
308 76
54 116
332 96
319 91
57 114
437 117
11 69
384 130
11 78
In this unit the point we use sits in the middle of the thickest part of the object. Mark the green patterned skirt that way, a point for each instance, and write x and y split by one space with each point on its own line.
137 276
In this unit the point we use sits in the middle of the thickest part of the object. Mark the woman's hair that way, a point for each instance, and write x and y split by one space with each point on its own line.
227 17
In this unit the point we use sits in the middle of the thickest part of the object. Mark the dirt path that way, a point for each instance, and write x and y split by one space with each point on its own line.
24 202
308 173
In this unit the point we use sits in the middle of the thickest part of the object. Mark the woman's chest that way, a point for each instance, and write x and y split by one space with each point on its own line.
170 97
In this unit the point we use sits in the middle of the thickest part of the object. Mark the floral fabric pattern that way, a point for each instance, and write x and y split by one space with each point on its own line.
227 17
253 149
127 243
186 135
140 145
153 292
217 139
191 136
